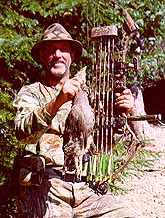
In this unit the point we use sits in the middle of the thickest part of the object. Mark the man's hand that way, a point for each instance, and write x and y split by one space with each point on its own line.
70 89
125 100
72 86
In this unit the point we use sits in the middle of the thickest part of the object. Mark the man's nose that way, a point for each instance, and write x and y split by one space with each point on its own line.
57 53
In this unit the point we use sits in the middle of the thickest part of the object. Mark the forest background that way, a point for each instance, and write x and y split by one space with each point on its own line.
21 25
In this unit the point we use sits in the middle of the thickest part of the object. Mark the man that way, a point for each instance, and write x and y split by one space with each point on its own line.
42 109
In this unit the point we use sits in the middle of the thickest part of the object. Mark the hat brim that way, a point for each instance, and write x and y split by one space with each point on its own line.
76 48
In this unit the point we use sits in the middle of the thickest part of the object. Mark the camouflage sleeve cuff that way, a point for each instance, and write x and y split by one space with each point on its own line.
45 116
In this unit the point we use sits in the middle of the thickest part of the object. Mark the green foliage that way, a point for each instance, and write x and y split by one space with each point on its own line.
22 22
143 160
9 146
16 35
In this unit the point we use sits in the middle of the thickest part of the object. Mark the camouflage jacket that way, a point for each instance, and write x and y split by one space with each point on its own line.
34 125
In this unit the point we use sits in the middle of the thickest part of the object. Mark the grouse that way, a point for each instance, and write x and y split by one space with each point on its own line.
78 140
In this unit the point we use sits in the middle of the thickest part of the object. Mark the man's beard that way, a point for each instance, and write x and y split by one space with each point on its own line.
58 71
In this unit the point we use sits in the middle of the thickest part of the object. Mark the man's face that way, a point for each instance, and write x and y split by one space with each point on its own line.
56 57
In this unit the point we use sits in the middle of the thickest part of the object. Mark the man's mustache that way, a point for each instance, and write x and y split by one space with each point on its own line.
55 60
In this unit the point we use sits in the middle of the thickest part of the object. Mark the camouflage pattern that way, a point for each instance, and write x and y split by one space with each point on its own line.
56 198
34 124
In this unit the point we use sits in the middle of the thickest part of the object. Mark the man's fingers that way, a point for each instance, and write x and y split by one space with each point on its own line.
124 100
70 88
125 95
76 82
126 92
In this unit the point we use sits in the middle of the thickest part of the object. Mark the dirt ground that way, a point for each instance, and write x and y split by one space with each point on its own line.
146 191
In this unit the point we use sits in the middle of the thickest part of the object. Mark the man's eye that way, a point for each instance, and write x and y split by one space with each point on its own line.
65 49
53 51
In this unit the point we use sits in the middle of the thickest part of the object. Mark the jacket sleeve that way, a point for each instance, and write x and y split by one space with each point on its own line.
32 119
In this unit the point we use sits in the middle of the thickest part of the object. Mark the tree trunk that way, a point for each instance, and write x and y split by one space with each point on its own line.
144 131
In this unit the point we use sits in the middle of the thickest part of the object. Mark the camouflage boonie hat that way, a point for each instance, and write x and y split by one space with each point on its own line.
53 34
